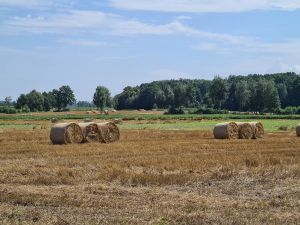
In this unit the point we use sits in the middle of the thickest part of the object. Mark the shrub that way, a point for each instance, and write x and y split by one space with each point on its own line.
204 110
8 110
283 128
290 110
176 110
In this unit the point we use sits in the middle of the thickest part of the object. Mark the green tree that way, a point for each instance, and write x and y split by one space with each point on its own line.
242 94
102 97
181 95
218 91
282 92
128 99
49 101
264 96
271 97
21 101
63 97
150 95
35 101
8 100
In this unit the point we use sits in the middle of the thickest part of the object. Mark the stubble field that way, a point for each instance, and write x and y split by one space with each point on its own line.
151 176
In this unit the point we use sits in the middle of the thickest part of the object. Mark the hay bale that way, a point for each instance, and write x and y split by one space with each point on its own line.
66 133
90 132
298 130
258 130
117 121
89 112
54 120
109 132
228 130
245 130
106 112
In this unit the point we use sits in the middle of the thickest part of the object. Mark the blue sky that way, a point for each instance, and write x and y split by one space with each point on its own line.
48 43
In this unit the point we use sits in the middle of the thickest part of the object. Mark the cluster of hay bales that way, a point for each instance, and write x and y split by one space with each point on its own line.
240 130
73 133
92 112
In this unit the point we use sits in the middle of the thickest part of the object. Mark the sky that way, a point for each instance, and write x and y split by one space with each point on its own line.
45 44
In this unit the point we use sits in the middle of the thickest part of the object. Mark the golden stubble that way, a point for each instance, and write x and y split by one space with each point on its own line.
149 177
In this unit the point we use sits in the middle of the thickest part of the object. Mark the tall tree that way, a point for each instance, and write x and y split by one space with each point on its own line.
218 91
242 94
8 100
21 101
102 97
35 101
49 101
128 99
64 96
282 92
271 97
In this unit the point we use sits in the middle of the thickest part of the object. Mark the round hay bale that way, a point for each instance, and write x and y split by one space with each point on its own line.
245 130
106 112
228 130
109 132
89 112
90 132
117 121
298 130
66 133
54 120
258 130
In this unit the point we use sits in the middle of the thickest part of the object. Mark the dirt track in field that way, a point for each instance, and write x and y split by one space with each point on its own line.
150 177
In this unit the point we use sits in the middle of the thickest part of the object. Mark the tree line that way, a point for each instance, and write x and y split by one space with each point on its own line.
256 93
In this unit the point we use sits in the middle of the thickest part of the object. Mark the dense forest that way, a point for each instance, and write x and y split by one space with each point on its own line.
278 93
259 93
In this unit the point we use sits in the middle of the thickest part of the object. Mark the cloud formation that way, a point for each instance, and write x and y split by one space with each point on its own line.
108 24
200 6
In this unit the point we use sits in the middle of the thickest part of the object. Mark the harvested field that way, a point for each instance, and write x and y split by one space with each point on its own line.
150 177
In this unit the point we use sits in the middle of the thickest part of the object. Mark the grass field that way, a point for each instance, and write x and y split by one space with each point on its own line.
136 115
205 125
161 172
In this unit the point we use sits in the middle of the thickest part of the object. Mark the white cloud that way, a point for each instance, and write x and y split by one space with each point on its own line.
85 43
104 23
198 6
55 23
